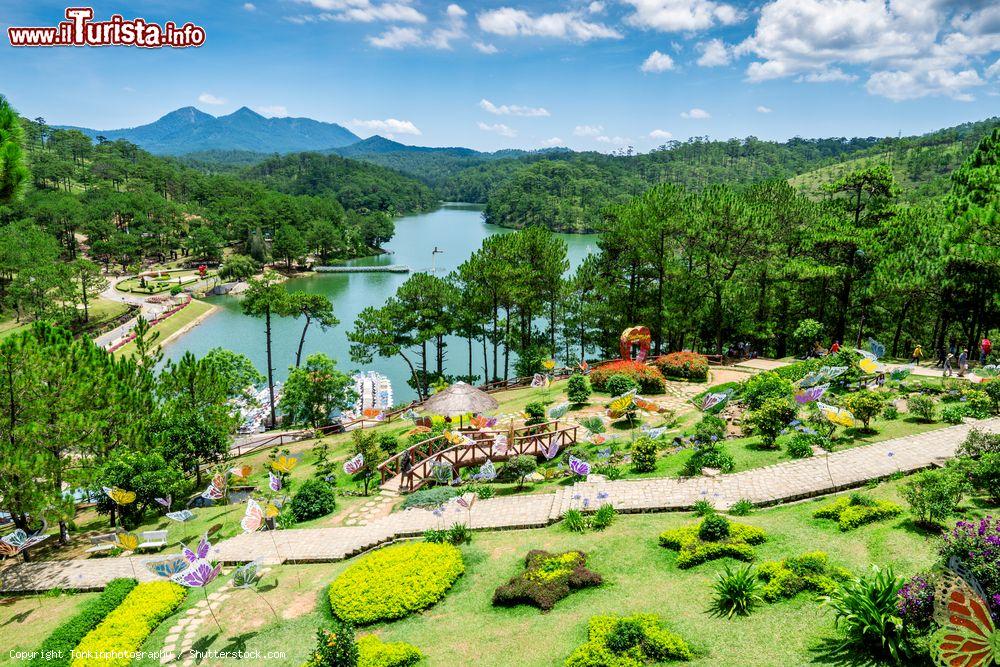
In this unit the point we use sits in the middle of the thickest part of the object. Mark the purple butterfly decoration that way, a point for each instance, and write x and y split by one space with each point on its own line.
353 465
200 574
274 482
200 553
712 400
579 466
552 450
466 502
811 394
166 502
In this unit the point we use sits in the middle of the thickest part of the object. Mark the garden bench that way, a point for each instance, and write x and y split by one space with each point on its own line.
103 542
152 539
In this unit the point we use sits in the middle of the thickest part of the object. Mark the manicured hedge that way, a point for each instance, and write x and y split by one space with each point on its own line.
693 550
856 510
121 633
606 636
649 378
547 578
808 572
373 652
686 365
56 650
394 582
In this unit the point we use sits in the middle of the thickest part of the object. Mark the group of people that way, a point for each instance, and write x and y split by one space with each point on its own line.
947 360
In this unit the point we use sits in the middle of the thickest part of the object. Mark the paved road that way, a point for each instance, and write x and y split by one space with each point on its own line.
783 482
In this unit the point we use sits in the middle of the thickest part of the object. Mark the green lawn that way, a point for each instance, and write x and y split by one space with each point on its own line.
25 622
173 324
640 576
160 285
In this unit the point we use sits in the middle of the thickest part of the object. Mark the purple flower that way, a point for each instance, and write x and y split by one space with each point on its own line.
601 495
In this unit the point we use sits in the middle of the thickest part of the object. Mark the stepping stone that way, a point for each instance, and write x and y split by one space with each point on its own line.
172 639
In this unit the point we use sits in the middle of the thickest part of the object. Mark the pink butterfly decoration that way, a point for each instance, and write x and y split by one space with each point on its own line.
354 464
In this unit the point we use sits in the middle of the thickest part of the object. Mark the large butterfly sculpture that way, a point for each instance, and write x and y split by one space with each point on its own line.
274 482
442 472
199 574
836 415
180 515
558 411
500 445
539 381
549 364
597 439
466 500
120 496
811 379
900 373
411 414
621 405
714 402
810 394
372 413
216 488
646 405
354 464
869 362
198 553
579 466
166 502
654 433
455 439
487 472
877 348
167 567
18 541
284 464
552 450
246 575
833 372
481 422
968 636
127 541
419 430
242 471
253 518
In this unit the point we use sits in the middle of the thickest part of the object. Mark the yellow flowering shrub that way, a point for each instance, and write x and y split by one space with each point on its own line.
122 632
373 652
394 582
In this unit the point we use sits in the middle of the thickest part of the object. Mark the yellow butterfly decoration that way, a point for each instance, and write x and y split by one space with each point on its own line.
128 541
242 471
867 365
419 430
549 364
284 463
620 405
836 415
455 438
270 511
120 496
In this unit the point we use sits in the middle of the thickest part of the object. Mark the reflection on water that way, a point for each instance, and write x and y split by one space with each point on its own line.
455 229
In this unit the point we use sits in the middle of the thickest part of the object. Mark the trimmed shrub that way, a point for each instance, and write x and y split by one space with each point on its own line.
547 578
736 592
992 390
394 582
122 631
578 389
953 414
336 646
713 528
649 379
684 365
864 405
977 404
933 495
373 652
857 509
656 644
315 498
518 468
771 419
758 388
891 412
620 384
56 650
808 572
709 428
644 454
712 455
432 497
800 446
921 407
692 550
536 413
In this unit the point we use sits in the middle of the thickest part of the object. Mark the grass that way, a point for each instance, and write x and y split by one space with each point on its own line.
640 576
173 324
101 310
25 622
188 277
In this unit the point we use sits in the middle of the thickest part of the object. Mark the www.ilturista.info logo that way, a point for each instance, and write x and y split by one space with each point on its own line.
80 30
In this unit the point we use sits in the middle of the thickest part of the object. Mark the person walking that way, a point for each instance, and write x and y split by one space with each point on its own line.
835 348
947 365
985 347
918 355
963 362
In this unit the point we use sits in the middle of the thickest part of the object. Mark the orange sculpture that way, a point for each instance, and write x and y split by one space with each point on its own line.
631 338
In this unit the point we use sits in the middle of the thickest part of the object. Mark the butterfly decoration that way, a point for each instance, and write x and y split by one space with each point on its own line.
646 405
454 438
811 379
487 472
120 496
500 445
216 488
481 422
811 394
253 518
467 500
968 636
989 371
284 464
246 575
836 415
538 381
441 472
166 502
558 411
654 433
242 471
198 553
167 567
199 574
877 348
354 464
372 413
597 439
18 541
869 362
549 364
833 372
411 414
180 515
127 541
584 367
900 373
271 511
714 401
579 466
419 430
621 405
274 482
552 450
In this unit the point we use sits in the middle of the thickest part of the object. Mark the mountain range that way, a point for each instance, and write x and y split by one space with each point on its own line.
188 129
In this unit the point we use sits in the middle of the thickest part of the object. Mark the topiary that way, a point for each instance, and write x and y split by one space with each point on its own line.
714 527
644 454
578 389
627 633
315 498
620 384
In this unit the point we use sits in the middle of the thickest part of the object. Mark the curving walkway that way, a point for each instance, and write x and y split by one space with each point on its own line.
784 482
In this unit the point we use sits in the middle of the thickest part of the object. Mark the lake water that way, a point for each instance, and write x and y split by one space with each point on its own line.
457 229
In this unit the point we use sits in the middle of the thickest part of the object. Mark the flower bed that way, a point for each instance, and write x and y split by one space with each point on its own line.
56 650
547 578
122 632
808 572
977 545
684 365
394 582
856 510
628 641
130 336
649 378
693 549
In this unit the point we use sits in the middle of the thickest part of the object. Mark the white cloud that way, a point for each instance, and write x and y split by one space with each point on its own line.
764 109
696 114
486 48
362 11
657 62
714 53
249 6
595 7
660 134
274 111
681 15
388 127
512 109
910 85
827 76
587 130
499 128
209 98
510 22
456 12
993 70
617 141
554 141
397 38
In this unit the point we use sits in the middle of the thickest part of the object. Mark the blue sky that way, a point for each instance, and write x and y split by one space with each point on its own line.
491 74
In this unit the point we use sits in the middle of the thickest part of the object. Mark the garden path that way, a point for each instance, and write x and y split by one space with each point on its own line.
783 482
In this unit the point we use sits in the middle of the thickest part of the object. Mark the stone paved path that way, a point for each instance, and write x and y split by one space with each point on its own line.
792 480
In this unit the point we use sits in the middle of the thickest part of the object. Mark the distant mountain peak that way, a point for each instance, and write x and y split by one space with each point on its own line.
244 112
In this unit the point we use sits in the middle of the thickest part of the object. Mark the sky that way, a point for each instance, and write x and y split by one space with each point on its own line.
491 74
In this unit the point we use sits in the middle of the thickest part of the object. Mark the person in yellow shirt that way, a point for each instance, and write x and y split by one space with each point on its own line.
918 355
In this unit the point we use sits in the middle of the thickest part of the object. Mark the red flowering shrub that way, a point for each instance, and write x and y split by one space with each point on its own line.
687 365
649 378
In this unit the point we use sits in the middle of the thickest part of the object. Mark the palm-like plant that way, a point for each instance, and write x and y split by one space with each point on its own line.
737 592
866 609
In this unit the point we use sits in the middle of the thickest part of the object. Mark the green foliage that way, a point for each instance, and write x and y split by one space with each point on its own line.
684 365
933 495
57 648
373 652
316 390
336 646
807 332
712 455
992 389
647 379
857 509
978 404
713 528
612 641
574 520
978 443
808 572
693 550
742 507
864 405
578 389
518 468
603 517
429 498
644 454
800 446
866 611
547 578
891 412
620 384
394 582
737 592
703 507
953 414
536 413
14 173
986 475
770 419
315 498
922 407
238 267
709 428
457 535
757 389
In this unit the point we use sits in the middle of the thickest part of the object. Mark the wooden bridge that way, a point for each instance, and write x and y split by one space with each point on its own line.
413 467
